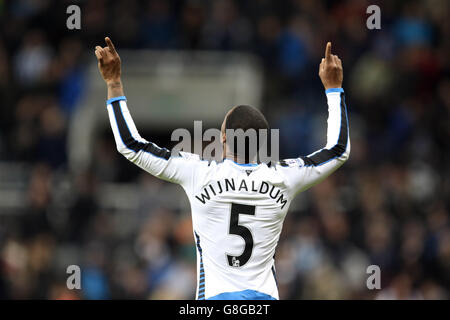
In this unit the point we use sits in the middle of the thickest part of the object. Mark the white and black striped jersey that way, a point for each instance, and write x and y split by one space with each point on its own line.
237 209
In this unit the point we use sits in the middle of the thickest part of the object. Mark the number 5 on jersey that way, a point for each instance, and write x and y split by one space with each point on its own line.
243 232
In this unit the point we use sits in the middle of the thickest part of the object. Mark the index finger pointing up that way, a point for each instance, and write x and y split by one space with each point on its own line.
110 45
328 51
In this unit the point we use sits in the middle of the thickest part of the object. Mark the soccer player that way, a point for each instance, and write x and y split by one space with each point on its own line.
238 207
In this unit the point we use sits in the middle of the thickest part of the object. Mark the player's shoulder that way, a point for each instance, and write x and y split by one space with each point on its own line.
290 163
193 158
188 156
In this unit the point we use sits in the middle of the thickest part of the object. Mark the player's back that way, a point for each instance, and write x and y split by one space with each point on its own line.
238 212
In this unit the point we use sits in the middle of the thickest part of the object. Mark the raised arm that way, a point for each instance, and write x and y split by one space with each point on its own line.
147 155
307 171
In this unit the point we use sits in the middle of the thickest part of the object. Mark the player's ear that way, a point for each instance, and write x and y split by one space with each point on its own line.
223 137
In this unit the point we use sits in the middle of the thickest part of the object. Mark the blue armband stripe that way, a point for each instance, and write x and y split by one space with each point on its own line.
334 90
110 101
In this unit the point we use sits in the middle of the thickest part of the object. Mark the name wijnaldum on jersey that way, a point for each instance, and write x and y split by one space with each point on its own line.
226 185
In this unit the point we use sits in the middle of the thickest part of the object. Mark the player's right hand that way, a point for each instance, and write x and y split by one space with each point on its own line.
108 62
330 70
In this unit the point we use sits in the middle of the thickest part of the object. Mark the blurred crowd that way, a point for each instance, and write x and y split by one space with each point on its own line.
387 206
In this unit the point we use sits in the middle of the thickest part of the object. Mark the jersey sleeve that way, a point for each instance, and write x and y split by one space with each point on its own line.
157 161
306 171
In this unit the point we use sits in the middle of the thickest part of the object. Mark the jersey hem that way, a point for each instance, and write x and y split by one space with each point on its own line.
242 295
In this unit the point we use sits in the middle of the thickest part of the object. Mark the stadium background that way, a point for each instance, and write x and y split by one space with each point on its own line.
388 205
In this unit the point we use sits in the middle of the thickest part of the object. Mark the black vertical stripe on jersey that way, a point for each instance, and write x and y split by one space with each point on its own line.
274 275
132 143
201 281
338 149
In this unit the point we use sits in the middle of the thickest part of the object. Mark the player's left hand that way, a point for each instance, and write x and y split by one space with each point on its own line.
330 70
108 62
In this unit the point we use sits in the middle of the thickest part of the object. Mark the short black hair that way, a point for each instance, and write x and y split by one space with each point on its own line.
246 117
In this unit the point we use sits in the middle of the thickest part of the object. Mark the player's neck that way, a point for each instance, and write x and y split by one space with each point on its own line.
238 159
